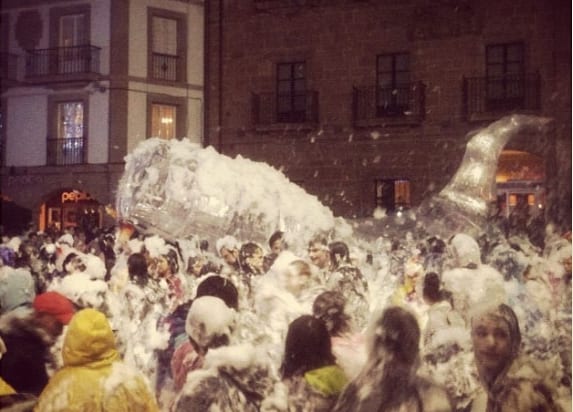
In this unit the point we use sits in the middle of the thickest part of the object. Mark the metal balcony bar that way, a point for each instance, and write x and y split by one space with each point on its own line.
269 108
164 67
372 102
484 95
62 61
66 151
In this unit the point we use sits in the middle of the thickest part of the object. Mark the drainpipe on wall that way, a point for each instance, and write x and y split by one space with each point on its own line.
220 75
206 77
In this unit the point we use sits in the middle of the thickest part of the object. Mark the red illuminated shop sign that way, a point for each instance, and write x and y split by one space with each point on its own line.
74 197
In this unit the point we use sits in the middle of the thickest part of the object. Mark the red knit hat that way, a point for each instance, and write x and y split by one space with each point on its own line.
56 305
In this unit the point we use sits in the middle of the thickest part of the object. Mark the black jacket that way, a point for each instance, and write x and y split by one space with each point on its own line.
23 366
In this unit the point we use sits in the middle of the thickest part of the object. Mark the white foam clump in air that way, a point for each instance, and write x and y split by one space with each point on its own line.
177 189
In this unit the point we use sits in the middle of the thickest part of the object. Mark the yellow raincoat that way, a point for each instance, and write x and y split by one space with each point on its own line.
93 378
5 388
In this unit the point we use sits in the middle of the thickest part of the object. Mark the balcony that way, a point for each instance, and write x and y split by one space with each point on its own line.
8 68
487 98
63 64
296 111
165 67
66 151
376 106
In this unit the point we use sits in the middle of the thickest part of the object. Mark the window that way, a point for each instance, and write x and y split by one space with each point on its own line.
167 117
72 57
392 84
163 121
167 40
291 92
71 32
505 76
67 143
392 194
70 50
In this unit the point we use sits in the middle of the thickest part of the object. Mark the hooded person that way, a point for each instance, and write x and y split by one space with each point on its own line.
225 377
469 280
389 380
29 335
228 250
93 376
507 379
17 290
309 369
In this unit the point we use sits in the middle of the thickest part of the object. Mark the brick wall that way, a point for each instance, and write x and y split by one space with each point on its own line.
339 41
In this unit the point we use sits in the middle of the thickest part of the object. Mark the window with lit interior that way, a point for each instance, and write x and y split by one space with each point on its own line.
392 194
164 121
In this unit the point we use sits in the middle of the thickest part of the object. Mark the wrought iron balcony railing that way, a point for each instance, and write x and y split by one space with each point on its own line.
165 67
62 61
500 95
270 108
66 151
402 104
8 66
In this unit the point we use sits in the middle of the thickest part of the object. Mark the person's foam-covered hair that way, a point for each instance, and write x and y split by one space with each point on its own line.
329 307
227 242
209 322
465 250
396 333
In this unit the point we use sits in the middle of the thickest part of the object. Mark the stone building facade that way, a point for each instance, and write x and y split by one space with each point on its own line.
82 82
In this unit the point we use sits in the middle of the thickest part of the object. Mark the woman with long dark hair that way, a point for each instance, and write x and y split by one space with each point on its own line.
309 368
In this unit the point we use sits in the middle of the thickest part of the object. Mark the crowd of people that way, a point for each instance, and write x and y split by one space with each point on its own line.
118 320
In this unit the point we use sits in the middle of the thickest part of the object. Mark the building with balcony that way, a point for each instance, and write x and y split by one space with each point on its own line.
82 82
370 103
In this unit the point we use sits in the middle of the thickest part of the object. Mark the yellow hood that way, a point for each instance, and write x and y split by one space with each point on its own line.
89 341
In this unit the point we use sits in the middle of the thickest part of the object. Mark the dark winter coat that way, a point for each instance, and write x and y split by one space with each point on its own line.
23 366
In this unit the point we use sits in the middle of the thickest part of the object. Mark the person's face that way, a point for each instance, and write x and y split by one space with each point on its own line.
277 246
229 256
256 260
319 255
158 267
296 280
492 344
162 266
196 266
